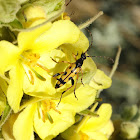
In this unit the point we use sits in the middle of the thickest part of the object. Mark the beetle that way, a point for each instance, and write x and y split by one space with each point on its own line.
73 70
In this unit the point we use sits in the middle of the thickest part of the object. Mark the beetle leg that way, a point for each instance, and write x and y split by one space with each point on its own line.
75 86
72 82
75 56
61 61
82 76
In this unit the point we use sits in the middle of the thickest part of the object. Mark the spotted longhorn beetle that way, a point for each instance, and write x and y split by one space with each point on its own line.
73 70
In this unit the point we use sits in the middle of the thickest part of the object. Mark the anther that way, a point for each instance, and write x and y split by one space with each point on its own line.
43 67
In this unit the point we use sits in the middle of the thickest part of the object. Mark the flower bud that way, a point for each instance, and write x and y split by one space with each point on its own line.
129 112
31 14
129 130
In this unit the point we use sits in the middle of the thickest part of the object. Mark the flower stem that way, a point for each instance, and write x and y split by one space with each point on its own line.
90 21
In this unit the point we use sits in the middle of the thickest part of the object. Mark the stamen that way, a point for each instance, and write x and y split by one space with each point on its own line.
56 110
53 106
29 74
38 75
32 78
40 113
46 106
43 117
43 67
49 117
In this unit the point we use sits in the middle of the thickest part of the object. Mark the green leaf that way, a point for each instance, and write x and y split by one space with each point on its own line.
2 102
15 24
5 115
5 34
8 10
23 1
87 112
51 8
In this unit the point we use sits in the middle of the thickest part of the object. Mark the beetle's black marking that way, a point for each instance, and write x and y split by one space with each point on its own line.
61 81
57 86
65 73
80 61
72 71
72 81
69 67
56 74
70 78
75 72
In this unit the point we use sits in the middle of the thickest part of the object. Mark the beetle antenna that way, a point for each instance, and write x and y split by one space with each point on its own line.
108 58
59 100
73 12
68 2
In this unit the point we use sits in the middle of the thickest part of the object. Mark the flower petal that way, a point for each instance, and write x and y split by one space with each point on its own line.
62 31
86 96
70 134
81 45
60 123
89 67
100 80
89 70
23 126
96 136
26 39
44 88
15 91
8 57
96 123
107 129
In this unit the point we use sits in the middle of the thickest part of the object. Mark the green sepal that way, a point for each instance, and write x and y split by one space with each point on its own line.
98 99
87 112
5 115
8 9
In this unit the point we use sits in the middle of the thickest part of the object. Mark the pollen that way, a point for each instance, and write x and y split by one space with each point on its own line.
48 105
30 59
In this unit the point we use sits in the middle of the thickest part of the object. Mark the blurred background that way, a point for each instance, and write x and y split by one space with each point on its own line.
120 25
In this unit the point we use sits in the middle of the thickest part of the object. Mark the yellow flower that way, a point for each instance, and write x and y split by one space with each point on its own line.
26 58
36 116
46 119
92 128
